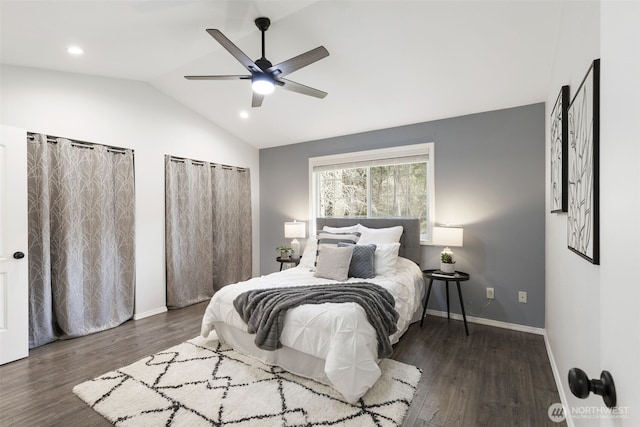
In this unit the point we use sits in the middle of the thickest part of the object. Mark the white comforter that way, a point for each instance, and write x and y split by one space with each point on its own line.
337 333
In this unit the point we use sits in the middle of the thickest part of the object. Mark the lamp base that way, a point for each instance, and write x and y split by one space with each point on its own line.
295 247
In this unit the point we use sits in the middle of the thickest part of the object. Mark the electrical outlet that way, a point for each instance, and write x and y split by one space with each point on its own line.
522 297
490 293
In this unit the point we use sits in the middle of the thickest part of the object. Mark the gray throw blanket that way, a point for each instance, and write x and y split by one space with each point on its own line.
264 310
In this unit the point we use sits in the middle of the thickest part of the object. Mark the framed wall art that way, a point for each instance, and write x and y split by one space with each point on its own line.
559 160
583 230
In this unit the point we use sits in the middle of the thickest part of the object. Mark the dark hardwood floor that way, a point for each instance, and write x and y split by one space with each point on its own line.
493 377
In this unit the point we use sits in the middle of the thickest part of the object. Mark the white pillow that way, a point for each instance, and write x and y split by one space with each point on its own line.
333 262
308 258
380 236
349 229
386 259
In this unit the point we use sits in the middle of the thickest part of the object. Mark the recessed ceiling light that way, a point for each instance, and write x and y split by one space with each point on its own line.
75 50
244 114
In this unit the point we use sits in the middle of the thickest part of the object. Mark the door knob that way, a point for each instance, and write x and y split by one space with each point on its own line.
581 386
18 255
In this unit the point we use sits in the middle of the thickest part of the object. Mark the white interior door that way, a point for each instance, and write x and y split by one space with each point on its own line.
14 291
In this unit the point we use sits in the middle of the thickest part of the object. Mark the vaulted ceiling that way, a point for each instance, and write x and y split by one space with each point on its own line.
391 62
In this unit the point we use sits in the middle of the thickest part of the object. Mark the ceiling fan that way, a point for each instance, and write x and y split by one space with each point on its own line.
264 75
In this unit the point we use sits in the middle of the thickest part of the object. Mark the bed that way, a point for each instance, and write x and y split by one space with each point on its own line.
333 343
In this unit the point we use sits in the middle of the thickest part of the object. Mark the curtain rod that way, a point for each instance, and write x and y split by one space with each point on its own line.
201 163
78 143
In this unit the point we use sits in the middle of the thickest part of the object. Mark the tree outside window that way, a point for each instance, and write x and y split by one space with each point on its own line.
392 190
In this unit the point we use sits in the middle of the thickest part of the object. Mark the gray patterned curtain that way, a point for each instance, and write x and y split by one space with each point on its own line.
188 222
208 229
81 239
231 189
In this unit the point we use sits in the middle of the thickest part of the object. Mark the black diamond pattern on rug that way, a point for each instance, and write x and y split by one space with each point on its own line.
204 382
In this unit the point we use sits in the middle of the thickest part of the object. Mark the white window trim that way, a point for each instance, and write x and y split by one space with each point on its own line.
427 148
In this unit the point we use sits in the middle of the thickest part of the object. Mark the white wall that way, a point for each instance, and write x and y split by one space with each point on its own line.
620 203
592 317
129 114
572 283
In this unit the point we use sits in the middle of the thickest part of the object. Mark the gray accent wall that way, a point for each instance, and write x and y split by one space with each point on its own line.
489 179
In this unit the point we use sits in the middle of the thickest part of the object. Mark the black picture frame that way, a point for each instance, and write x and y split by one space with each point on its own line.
558 159
583 198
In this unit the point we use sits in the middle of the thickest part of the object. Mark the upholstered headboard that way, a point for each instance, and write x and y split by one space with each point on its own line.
409 242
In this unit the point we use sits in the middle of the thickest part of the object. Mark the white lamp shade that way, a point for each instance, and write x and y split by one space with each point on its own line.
294 230
447 236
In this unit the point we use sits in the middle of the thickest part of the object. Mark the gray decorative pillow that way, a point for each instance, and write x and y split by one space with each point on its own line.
363 261
333 263
326 238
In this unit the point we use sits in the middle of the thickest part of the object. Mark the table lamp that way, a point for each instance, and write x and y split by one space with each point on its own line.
294 230
447 236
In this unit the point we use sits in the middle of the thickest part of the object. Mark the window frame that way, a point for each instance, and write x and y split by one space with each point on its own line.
371 155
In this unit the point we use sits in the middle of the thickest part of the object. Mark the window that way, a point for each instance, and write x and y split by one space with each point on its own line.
394 182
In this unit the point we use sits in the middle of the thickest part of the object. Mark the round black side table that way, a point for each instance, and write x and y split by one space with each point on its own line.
290 260
458 276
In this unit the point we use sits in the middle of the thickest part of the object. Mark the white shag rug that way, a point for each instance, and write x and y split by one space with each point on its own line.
204 383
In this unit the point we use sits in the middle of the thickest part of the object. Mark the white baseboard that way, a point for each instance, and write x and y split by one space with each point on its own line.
559 383
149 313
490 322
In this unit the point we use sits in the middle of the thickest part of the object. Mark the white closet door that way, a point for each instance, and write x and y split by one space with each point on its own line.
14 280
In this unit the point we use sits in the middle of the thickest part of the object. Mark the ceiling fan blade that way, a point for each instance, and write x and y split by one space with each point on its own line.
305 90
234 50
297 62
230 77
256 100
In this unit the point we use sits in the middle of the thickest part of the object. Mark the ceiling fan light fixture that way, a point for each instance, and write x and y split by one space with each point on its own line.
262 84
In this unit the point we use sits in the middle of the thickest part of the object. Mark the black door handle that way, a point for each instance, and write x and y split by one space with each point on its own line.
18 255
581 386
